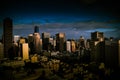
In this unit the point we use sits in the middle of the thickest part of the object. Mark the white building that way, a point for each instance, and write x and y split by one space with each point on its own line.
16 38
68 46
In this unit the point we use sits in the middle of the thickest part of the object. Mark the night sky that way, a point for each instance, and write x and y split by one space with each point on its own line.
74 17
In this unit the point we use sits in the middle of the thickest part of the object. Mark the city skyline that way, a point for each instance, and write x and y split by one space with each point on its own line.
75 18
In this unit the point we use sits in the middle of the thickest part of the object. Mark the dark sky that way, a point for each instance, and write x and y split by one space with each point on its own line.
74 17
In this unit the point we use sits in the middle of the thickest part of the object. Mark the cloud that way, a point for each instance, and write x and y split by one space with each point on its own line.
72 29
102 30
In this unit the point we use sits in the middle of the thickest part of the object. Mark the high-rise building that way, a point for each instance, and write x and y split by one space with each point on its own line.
82 42
30 38
15 48
112 53
97 36
8 34
97 51
41 43
25 51
37 43
21 41
88 44
1 51
73 46
82 45
60 42
36 29
30 43
68 46
16 38
52 43
119 53
46 40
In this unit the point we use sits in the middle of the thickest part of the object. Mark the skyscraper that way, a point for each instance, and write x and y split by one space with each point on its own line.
37 43
45 40
30 43
60 41
73 46
119 53
8 27
68 46
97 36
112 53
16 38
1 51
25 51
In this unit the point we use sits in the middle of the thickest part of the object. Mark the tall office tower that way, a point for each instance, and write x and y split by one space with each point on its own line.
51 40
41 43
37 43
82 42
30 38
112 53
88 44
60 42
82 45
73 46
54 44
7 39
21 41
30 43
97 51
25 51
16 38
1 51
15 50
97 36
36 29
46 40
119 53
51 43
68 46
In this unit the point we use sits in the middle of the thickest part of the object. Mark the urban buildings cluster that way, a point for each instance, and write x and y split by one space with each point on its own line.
66 58
98 47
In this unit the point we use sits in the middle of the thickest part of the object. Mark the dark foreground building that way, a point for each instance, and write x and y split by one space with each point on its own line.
7 39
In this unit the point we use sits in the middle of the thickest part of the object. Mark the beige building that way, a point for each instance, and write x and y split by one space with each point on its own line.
37 43
22 40
25 51
73 47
